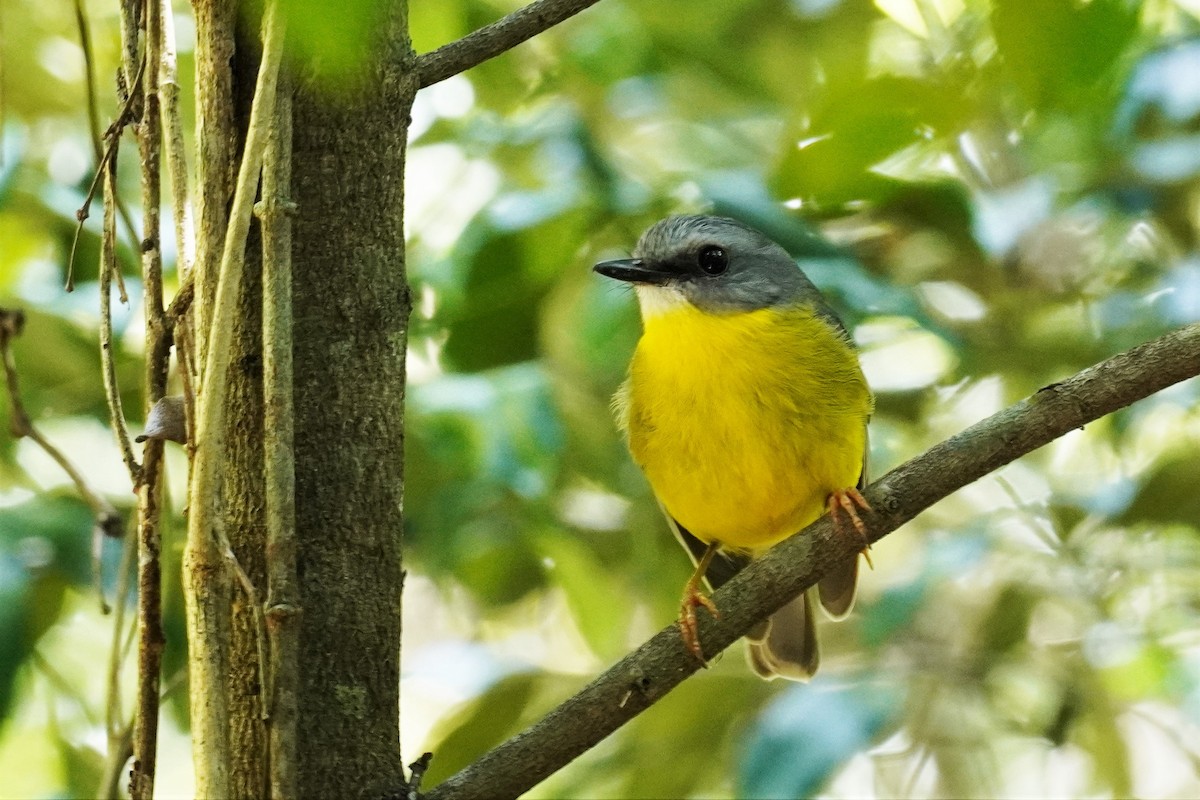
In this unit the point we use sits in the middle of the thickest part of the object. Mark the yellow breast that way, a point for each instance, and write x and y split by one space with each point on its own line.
745 423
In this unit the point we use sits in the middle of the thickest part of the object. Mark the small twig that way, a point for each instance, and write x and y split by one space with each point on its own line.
107 520
120 636
120 750
12 323
112 138
416 774
185 361
131 26
108 367
93 107
62 686
492 40
85 43
173 143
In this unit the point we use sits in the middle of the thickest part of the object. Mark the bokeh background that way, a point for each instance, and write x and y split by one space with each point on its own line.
1019 179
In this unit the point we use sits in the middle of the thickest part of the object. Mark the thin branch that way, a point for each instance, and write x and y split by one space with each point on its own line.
62 686
130 27
646 675
185 365
119 733
12 323
151 640
168 86
108 367
282 677
416 774
206 518
492 40
112 138
108 521
93 106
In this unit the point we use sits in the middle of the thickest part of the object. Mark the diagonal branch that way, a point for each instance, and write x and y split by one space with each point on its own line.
492 40
108 521
646 675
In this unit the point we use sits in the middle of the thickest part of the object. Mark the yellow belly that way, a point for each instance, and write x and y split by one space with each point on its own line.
744 424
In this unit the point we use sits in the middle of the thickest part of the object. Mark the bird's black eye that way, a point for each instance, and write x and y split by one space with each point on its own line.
712 259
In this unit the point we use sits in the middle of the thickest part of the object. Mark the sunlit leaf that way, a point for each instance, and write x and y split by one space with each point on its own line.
1168 493
482 724
1082 42
807 733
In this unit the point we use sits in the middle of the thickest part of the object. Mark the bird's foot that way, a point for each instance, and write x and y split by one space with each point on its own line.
847 502
694 598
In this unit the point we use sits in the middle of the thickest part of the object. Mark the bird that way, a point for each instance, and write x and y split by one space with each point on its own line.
746 408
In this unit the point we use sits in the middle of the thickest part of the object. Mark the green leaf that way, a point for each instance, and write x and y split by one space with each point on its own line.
1057 50
1005 625
480 726
807 733
44 546
827 160
1096 732
601 608
1168 493
14 584
507 272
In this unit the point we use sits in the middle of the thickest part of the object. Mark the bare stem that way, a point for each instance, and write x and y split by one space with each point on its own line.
282 678
112 138
181 210
108 266
492 40
158 354
85 44
206 519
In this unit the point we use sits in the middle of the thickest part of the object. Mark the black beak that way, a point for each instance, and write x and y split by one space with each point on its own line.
633 270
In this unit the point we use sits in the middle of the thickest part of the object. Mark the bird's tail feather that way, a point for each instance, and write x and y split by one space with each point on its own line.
785 646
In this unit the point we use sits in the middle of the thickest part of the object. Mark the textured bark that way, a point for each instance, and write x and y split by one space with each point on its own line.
351 307
228 743
245 523
218 145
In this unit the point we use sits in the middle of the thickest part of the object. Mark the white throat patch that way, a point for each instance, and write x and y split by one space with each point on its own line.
658 300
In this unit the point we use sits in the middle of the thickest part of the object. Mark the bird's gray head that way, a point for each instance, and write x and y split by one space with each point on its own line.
716 264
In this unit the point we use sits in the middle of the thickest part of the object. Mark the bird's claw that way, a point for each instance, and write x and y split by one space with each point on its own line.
847 502
693 598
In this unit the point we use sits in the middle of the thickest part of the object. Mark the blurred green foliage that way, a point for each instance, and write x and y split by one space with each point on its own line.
1019 181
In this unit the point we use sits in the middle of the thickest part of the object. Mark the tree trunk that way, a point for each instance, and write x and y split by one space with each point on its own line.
351 304
351 307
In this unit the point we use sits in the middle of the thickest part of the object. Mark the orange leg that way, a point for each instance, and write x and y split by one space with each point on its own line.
847 502
693 598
